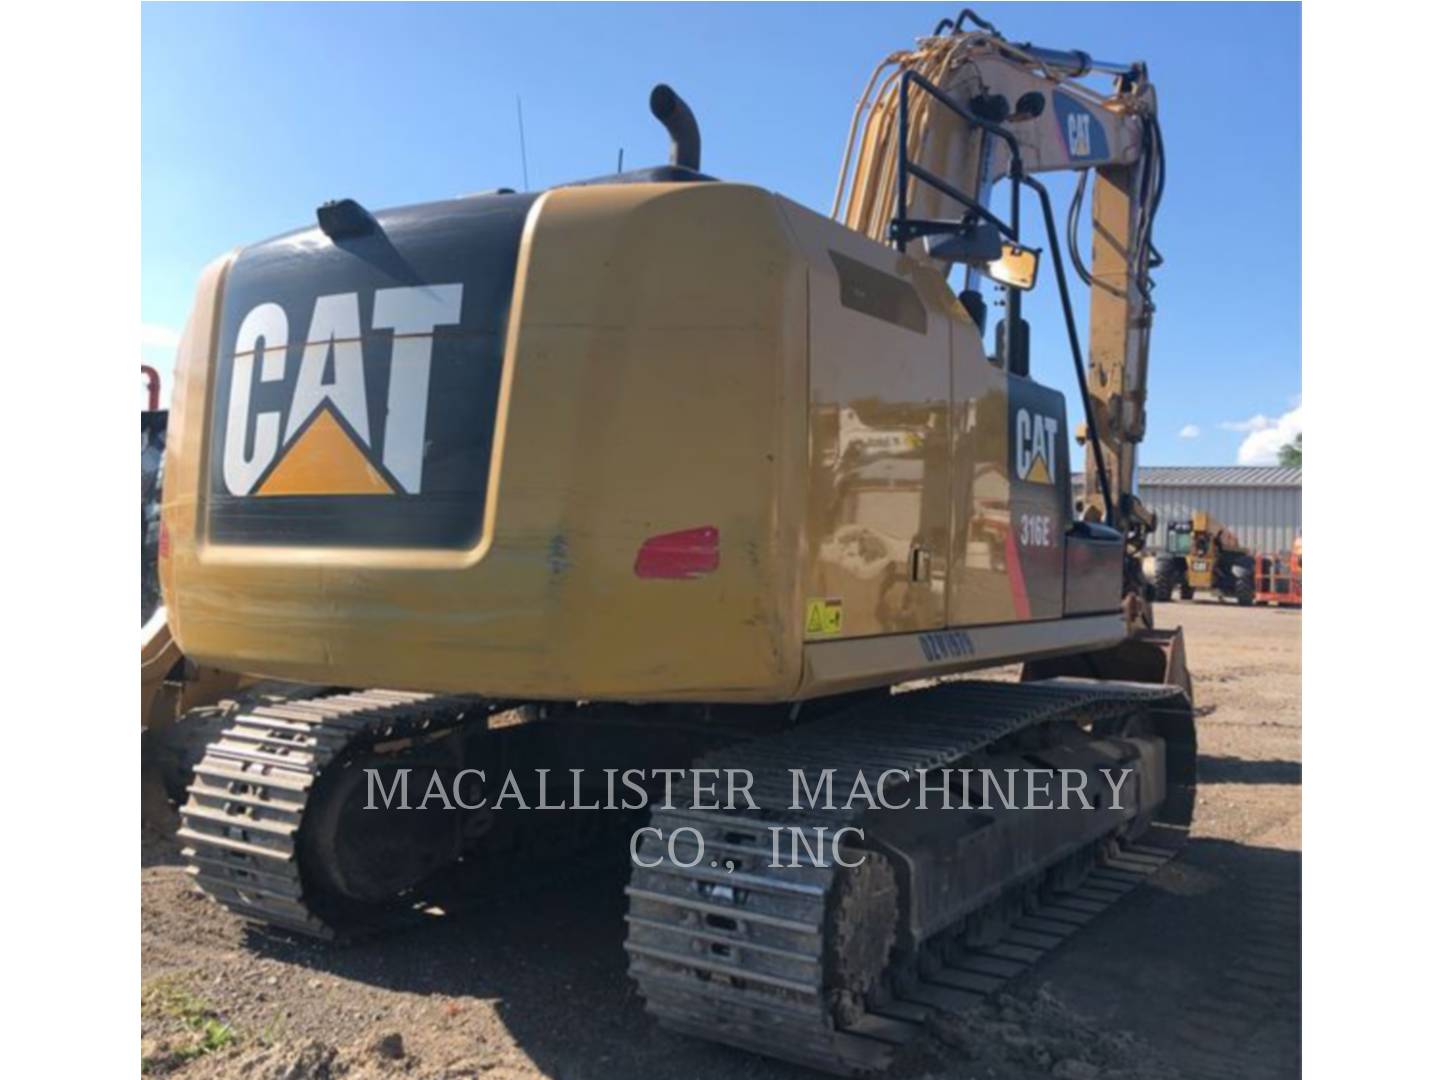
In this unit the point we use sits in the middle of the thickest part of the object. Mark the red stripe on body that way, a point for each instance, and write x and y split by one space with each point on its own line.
1016 573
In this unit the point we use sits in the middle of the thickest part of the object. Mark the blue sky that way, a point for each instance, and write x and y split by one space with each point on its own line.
252 115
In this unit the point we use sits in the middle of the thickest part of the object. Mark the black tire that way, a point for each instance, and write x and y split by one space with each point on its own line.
1242 578
1168 574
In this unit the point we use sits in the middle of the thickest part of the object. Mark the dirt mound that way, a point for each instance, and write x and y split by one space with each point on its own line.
1022 1036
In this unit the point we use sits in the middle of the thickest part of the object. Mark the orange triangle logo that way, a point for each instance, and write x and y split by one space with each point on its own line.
325 460
1038 473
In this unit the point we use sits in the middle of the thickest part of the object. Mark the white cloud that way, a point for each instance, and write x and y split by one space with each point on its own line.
1258 422
1190 431
1265 436
154 336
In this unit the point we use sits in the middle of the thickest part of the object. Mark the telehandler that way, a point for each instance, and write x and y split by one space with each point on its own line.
1203 555
661 470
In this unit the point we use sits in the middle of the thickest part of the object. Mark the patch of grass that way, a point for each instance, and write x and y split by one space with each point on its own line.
270 1033
211 1035
168 997
206 1032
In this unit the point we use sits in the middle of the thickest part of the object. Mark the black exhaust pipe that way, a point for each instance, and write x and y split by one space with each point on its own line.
679 121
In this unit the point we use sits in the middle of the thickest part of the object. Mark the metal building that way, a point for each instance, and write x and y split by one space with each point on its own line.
1260 503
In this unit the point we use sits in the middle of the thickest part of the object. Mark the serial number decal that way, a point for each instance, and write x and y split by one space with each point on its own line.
946 645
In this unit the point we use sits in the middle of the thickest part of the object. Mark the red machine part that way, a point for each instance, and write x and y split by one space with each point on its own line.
152 386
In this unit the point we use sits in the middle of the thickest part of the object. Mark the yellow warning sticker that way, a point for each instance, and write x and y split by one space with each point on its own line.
823 616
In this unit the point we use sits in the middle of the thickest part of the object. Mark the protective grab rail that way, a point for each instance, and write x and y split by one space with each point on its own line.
904 228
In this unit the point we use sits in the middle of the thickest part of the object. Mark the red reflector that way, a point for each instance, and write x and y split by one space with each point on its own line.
164 541
685 554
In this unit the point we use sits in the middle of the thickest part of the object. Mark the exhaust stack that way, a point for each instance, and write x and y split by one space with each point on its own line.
668 107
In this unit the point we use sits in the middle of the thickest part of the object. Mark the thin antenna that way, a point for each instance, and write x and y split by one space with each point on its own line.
524 164
620 165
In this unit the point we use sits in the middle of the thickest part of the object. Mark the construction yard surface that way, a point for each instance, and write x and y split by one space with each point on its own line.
1196 974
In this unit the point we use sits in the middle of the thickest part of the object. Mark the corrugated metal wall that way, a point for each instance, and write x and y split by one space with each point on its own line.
1264 519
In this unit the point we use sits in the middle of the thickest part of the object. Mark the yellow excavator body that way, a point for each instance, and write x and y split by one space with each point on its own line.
738 452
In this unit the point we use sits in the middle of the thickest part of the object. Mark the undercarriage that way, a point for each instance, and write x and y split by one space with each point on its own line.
876 863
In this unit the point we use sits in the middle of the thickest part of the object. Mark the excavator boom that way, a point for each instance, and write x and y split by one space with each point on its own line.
992 101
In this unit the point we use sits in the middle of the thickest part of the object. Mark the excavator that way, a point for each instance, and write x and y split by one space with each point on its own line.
669 474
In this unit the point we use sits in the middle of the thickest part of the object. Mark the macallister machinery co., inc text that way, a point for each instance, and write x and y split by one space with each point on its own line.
963 789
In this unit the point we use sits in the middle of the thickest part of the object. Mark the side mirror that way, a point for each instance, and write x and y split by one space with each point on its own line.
1016 267
980 245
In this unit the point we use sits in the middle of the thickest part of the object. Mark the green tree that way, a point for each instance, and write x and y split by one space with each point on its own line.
1290 453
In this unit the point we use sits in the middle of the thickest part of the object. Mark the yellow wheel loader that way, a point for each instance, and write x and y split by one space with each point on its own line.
664 475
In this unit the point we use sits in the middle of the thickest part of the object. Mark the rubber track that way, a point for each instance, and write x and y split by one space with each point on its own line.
241 823
738 956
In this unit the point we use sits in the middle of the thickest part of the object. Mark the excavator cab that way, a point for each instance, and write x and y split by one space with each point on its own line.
1178 538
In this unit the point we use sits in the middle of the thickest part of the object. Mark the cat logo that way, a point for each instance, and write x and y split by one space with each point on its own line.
1077 131
1035 446
1081 132
328 446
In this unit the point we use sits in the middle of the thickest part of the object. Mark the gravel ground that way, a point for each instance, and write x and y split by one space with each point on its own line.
1194 975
